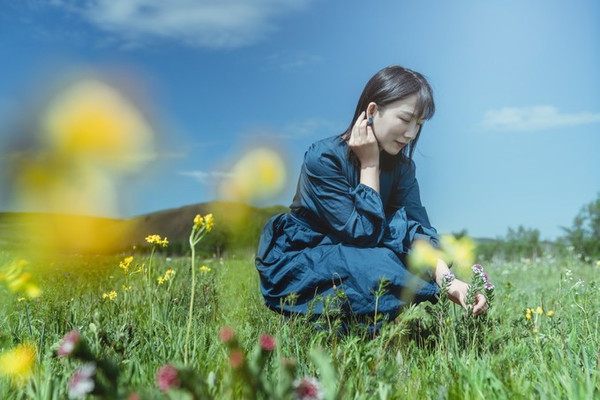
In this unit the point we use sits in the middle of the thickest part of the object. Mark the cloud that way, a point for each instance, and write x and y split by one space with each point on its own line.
200 23
534 118
206 177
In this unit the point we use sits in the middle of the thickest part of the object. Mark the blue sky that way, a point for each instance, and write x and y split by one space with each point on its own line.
514 140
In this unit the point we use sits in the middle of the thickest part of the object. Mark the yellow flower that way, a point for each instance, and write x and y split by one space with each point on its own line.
422 255
204 268
156 239
20 299
160 280
209 221
126 263
19 281
18 362
528 316
198 221
459 252
111 295
539 311
550 313
169 272
126 288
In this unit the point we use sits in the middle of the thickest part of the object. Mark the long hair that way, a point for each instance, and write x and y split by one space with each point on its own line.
387 86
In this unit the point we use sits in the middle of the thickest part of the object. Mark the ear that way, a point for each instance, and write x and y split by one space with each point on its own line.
371 109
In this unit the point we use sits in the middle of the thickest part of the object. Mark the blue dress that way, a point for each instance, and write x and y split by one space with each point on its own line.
343 235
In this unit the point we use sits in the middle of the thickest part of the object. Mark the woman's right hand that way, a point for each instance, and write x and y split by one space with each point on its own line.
457 292
363 143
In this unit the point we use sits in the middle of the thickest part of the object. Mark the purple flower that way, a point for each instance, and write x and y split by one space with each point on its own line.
267 342
68 344
167 377
82 381
448 277
477 267
489 286
308 388
486 278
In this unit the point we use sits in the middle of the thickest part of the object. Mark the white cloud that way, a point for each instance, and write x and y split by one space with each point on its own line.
200 23
206 177
534 118
291 61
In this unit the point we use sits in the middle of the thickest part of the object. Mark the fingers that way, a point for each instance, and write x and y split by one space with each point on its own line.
481 306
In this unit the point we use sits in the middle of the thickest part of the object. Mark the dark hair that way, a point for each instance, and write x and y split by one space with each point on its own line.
387 86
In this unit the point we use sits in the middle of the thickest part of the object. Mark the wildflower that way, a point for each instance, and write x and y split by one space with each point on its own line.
528 316
19 281
528 313
198 221
126 288
209 222
308 388
267 342
111 295
550 313
539 311
82 382
167 377
204 268
236 358
598 263
169 272
68 343
489 286
156 239
20 299
226 335
160 280
124 265
448 277
18 363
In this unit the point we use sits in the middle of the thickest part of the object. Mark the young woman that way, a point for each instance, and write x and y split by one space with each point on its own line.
357 211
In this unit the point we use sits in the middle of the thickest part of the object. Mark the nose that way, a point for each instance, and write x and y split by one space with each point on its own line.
412 130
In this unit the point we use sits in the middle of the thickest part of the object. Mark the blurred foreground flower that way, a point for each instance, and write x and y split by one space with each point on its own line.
423 256
19 281
258 175
308 388
17 364
82 382
459 252
87 135
167 378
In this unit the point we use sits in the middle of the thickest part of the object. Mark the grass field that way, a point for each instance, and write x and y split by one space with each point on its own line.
428 352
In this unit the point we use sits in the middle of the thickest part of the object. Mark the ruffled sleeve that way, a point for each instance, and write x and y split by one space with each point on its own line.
355 215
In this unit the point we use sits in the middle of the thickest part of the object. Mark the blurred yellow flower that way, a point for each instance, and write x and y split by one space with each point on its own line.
111 295
539 311
459 252
18 363
209 221
19 281
550 313
260 174
20 299
160 280
198 221
204 268
423 256
126 288
93 121
528 315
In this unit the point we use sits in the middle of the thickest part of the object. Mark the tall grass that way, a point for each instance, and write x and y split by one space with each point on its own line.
430 351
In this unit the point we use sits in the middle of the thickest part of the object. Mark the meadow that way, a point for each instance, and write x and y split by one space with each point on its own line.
539 340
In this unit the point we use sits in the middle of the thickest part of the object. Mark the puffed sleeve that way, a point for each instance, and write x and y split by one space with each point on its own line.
406 200
355 215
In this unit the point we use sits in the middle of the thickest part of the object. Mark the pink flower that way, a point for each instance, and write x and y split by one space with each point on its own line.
226 334
68 343
236 358
486 278
308 388
82 382
167 377
489 286
477 267
267 342
133 396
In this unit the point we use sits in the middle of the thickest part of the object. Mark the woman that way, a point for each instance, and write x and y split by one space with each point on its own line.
356 212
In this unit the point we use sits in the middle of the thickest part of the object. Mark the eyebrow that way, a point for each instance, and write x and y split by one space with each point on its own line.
411 115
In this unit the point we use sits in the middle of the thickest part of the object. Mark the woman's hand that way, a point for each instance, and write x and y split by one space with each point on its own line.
457 292
363 143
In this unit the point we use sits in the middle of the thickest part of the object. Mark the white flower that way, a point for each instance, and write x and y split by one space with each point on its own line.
82 381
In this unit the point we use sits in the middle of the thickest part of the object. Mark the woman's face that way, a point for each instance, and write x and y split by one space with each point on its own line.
395 124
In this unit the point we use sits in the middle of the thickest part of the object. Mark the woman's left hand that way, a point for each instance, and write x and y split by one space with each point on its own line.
457 292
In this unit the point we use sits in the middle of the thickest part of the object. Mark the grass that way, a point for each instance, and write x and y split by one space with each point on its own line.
431 351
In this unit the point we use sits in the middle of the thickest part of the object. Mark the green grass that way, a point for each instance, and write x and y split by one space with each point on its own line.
429 352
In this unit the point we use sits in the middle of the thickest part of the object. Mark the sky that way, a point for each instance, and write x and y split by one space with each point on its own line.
515 136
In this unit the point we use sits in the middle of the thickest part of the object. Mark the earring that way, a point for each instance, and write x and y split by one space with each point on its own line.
370 121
